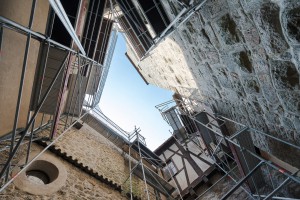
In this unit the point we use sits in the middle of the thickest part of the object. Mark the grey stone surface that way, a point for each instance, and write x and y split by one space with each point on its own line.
243 58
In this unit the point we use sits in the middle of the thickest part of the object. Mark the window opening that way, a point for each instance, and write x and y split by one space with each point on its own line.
38 177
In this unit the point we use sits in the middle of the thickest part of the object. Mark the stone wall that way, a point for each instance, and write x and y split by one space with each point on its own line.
97 153
94 152
170 71
244 56
79 186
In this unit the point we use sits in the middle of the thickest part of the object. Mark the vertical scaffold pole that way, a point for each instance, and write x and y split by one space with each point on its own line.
173 180
130 178
20 92
141 159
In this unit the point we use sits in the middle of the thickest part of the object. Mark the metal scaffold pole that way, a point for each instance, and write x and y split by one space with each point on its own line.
147 169
50 105
142 164
130 172
212 132
20 92
177 188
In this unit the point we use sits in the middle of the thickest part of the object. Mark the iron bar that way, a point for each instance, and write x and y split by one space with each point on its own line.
20 92
141 161
180 3
106 35
71 103
60 12
31 120
273 186
143 13
56 117
236 144
169 195
230 142
174 181
7 23
79 88
265 134
232 190
227 173
29 143
93 28
136 22
36 130
129 35
87 84
38 155
269 196
235 181
15 26
248 169
40 91
256 156
130 178
160 12
1 37
286 181
88 21
277 198
186 15
136 25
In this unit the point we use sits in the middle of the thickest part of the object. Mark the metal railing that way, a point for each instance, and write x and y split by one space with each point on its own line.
70 78
230 146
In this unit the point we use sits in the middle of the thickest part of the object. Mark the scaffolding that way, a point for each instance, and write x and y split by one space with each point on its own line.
82 70
63 69
146 23
230 145
149 172
184 15
142 162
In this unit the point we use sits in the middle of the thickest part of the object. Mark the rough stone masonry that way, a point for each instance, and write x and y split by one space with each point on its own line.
244 58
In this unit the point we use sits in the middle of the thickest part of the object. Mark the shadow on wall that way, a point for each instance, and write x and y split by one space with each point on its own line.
169 70
11 65
245 60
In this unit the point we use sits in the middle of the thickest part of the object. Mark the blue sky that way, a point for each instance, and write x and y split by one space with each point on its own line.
129 102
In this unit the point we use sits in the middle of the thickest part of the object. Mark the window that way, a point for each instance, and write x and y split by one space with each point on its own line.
97 31
170 170
1 38
156 14
135 28
59 32
44 176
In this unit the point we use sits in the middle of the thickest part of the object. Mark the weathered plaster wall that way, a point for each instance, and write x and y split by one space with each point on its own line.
13 44
244 56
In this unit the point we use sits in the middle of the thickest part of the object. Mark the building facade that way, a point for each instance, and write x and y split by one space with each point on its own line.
238 59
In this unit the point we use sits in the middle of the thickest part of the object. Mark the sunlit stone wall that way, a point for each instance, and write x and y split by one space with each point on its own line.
244 57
